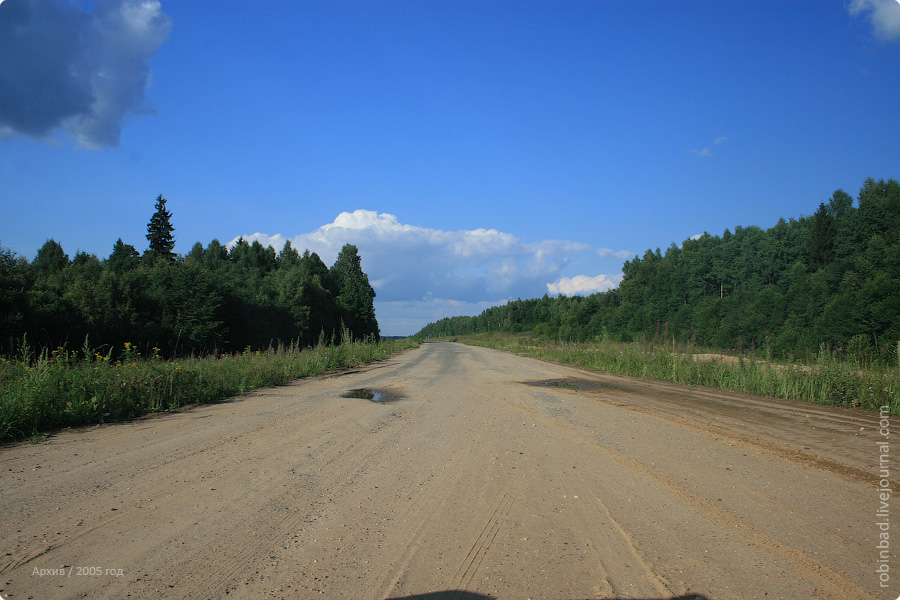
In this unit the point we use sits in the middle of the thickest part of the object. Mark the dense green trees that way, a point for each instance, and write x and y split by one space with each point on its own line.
832 278
211 300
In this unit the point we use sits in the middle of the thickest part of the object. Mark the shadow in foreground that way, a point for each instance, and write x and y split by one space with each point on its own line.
445 595
462 595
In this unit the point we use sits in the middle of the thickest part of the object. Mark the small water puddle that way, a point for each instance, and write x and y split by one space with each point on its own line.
371 395
576 384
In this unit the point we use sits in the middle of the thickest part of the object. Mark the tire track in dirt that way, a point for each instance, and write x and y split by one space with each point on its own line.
619 561
830 583
339 460
773 449
470 564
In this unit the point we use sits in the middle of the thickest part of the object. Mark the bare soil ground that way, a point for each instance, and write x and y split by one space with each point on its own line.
727 358
463 481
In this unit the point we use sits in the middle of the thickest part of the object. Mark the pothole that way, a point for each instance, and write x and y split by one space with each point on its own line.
576 384
371 395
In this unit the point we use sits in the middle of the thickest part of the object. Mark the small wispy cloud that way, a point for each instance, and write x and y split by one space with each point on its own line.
79 72
883 14
705 152
619 254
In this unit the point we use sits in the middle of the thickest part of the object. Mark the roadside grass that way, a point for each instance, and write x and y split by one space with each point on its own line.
66 388
827 379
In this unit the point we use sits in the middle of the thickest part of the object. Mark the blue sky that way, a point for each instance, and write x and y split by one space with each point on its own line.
475 152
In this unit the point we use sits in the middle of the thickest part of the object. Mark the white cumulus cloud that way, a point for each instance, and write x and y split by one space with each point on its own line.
407 261
422 274
583 284
883 14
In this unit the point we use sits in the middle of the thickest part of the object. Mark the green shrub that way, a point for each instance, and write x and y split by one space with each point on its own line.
829 380
65 389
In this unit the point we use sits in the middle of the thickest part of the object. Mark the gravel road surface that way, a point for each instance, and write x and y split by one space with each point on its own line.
473 474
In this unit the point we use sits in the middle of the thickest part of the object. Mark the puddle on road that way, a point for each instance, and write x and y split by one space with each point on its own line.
576 384
371 395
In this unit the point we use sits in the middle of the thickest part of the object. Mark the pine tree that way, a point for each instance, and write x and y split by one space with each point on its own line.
159 232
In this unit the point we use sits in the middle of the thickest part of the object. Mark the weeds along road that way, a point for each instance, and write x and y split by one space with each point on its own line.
468 479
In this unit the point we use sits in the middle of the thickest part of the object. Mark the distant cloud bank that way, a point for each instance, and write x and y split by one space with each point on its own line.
582 284
422 274
63 68
883 14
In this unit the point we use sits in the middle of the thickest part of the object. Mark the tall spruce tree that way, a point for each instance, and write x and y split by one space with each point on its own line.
159 232
354 293
822 233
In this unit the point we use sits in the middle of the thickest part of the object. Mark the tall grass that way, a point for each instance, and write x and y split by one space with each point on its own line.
68 388
827 380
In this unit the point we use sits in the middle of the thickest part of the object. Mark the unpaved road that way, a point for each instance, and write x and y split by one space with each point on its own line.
470 479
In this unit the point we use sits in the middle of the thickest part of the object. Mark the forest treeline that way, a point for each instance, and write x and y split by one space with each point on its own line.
214 299
832 278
